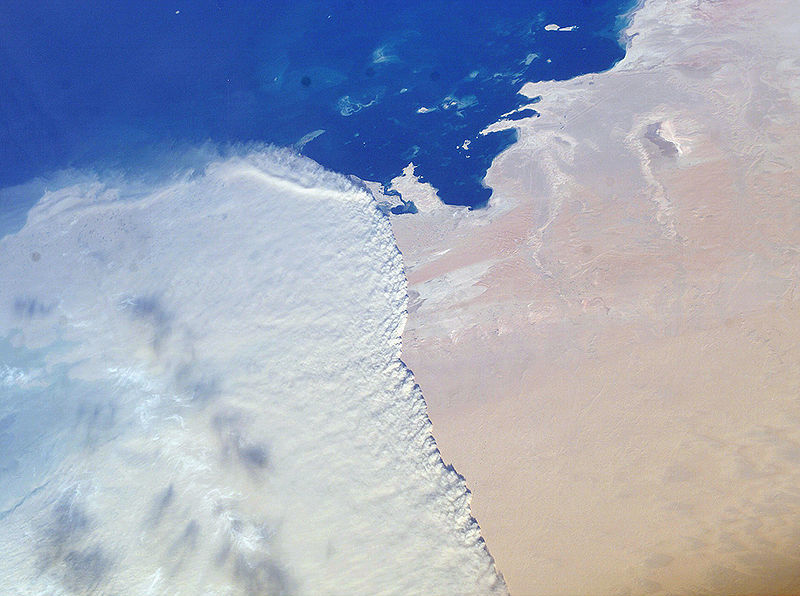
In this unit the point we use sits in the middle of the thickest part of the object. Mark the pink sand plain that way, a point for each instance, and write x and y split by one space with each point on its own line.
611 352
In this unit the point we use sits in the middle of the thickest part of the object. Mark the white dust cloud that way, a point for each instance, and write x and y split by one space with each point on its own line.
202 394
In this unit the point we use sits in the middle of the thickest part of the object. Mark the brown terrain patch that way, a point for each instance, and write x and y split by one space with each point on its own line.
611 352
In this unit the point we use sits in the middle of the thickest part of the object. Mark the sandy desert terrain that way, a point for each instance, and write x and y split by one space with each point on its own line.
610 352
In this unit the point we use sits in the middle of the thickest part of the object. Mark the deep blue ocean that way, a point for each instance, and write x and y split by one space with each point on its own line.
201 384
363 88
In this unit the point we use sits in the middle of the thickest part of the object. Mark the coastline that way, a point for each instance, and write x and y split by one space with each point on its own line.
606 351
222 365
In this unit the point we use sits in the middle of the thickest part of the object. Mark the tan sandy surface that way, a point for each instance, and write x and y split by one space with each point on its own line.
611 351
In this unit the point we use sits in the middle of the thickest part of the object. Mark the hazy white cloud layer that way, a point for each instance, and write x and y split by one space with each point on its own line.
201 393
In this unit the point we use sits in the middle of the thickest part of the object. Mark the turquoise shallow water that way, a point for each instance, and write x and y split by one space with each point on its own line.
361 87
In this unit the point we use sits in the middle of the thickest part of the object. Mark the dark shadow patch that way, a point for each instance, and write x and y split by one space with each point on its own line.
228 428
204 389
201 387
148 307
7 422
254 456
29 308
161 503
184 545
225 422
61 530
262 577
222 554
150 310
190 535
98 419
187 541
68 521
85 570
8 466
